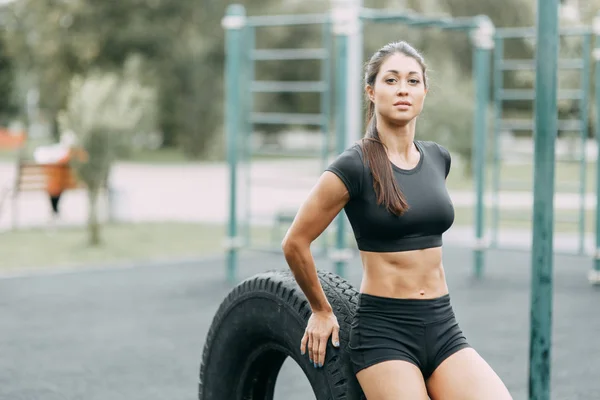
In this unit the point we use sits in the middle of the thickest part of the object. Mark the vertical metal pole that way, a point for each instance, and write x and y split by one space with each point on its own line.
345 18
483 40
583 106
233 22
245 144
355 89
595 272
326 108
497 158
543 199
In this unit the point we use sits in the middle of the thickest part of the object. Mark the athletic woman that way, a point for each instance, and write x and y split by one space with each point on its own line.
405 342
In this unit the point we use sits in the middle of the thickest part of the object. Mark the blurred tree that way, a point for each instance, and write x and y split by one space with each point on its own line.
52 41
8 106
104 110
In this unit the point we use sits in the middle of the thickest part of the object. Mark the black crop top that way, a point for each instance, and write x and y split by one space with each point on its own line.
430 212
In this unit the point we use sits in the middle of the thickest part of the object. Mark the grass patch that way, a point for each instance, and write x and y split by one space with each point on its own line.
523 219
39 248
146 242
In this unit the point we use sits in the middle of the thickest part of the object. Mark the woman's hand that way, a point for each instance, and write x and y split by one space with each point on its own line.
320 326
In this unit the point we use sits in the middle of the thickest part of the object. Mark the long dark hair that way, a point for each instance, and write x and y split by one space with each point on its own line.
387 190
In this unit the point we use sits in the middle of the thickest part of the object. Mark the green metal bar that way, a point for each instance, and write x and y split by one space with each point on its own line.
287 20
583 106
288 54
233 22
540 342
341 30
355 92
522 65
414 19
249 37
497 160
483 40
529 94
498 82
340 135
595 275
530 33
326 107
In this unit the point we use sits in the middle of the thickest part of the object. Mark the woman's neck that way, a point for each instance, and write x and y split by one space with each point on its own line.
398 139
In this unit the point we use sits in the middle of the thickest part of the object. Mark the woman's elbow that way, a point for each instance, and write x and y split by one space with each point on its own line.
286 245
291 245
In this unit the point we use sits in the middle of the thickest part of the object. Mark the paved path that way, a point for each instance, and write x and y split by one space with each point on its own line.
200 193
137 333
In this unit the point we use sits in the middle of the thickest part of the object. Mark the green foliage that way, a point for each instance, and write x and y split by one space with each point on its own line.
447 116
105 110
8 107
182 43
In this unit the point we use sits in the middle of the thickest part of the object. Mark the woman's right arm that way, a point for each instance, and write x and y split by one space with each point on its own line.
324 202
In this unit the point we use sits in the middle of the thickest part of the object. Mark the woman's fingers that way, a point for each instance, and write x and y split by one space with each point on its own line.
315 349
303 343
321 349
315 338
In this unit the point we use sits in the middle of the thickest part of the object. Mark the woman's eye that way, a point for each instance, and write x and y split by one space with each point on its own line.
391 80
414 81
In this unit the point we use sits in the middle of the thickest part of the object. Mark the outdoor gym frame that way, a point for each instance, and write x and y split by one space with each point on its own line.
345 21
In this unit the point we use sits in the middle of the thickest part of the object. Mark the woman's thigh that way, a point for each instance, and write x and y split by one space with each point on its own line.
465 375
392 380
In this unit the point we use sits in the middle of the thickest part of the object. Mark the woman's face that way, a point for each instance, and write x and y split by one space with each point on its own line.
399 90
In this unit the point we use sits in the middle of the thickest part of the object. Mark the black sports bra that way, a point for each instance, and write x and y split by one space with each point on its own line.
430 212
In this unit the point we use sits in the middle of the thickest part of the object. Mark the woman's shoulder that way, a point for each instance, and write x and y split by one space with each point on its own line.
439 153
349 167
353 153
435 146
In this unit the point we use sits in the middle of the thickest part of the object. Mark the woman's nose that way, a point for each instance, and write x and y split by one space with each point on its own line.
401 90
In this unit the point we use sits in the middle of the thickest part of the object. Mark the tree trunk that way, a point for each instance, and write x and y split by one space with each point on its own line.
93 224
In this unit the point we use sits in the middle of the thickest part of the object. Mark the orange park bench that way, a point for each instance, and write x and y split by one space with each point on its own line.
52 178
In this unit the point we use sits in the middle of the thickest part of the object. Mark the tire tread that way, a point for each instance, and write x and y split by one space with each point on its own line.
282 284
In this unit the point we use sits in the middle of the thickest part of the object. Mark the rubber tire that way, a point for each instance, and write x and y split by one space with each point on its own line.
259 324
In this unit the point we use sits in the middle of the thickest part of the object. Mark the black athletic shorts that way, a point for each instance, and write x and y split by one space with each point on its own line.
422 332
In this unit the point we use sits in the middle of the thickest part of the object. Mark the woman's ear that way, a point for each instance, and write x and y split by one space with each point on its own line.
370 92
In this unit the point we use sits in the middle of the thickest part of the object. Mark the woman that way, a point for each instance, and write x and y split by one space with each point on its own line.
405 342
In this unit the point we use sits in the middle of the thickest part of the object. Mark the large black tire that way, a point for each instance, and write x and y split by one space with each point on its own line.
259 324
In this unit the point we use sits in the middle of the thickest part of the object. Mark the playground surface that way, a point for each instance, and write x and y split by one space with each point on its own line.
137 333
